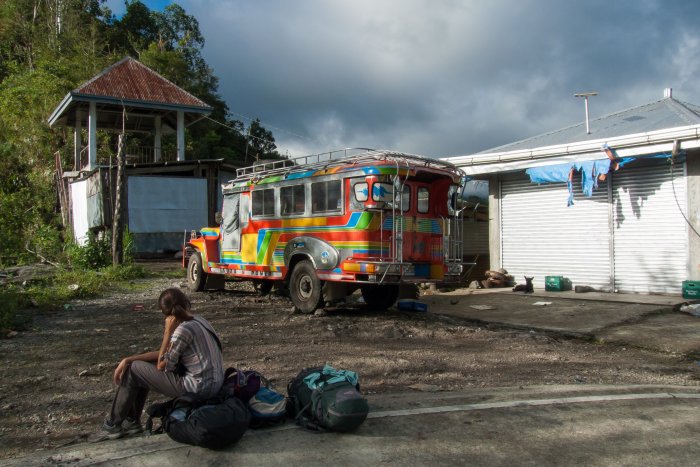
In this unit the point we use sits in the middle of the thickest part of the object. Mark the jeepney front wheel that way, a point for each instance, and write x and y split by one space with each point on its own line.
305 287
379 297
196 277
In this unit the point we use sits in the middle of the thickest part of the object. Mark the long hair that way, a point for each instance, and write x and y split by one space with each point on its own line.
174 302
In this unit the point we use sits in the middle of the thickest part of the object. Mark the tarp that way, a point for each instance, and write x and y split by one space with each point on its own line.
591 172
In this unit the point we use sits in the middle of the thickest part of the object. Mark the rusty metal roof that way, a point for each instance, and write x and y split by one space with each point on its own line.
131 80
131 86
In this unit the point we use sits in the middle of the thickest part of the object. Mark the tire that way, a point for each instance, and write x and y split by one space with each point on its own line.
379 297
305 287
264 287
409 291
196 277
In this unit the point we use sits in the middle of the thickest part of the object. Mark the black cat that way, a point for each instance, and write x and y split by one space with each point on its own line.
526 287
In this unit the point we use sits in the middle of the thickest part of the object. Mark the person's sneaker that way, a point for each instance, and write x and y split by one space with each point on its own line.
108 430
131 427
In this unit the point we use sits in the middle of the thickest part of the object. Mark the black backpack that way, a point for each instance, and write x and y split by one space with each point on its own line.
326 399
211 423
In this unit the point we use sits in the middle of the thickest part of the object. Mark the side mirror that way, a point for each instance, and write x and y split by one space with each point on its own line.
218 218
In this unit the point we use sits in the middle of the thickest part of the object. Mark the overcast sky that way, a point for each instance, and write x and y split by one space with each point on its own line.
441 77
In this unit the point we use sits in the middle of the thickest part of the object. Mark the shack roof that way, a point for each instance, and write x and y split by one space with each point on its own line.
644 130
132 86
659 115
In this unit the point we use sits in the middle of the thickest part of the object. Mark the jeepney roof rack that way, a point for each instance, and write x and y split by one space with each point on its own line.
335 158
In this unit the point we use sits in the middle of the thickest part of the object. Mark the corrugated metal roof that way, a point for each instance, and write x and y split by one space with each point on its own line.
131 80
659 115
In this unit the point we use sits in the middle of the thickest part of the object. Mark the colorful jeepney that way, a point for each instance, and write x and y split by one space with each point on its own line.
323 226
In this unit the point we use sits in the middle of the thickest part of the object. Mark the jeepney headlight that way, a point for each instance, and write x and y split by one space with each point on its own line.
454 268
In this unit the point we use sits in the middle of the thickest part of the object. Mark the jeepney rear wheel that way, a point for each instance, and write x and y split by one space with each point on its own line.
196 277
379 297
305 287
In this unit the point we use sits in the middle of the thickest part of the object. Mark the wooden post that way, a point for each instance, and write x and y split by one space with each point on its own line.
157 151
78 140
117 227
180 135
92 136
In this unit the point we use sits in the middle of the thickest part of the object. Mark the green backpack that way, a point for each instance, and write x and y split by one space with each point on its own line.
326 399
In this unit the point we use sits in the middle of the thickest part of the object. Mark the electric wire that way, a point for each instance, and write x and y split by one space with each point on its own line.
270 126
236 130
248 135
673 186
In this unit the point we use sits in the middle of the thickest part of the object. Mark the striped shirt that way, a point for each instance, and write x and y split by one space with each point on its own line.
193 345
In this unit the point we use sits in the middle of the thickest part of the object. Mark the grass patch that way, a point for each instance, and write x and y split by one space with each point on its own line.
65 285
170 274
12 299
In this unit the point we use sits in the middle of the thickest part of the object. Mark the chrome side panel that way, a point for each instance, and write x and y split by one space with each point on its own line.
324 255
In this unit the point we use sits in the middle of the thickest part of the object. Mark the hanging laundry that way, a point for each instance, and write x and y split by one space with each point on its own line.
590 170
550 173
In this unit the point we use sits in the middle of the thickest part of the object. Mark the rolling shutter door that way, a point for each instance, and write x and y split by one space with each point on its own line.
476 238
650 236
541 236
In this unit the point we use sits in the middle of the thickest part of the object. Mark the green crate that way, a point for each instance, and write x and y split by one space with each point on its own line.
691 289
556 283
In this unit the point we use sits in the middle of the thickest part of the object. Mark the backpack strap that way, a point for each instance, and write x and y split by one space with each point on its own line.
212 333
306 422
157 410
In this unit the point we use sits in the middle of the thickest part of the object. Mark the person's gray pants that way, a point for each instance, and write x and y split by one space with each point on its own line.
138 379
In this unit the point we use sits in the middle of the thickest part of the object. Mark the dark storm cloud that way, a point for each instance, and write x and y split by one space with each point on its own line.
442 77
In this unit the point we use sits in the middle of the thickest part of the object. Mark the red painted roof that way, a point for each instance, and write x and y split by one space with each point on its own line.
131 80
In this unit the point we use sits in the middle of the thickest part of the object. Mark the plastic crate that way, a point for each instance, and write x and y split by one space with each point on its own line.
691 289
556 283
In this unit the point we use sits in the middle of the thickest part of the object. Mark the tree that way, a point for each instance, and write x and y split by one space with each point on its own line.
261 142
136 29
48 48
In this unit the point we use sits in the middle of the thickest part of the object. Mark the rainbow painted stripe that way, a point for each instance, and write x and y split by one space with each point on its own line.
269 246
411 224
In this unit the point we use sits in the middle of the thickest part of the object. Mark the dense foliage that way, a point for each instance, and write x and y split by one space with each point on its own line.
48 48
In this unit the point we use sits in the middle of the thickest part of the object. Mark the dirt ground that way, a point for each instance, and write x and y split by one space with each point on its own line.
56 387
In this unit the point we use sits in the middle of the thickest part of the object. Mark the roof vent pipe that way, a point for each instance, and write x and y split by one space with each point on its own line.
586 95
668 93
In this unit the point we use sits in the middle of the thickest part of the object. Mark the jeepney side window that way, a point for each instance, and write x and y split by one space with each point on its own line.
423 200
452 199
264 202
406 198
385 192
244 209
293 200
325 196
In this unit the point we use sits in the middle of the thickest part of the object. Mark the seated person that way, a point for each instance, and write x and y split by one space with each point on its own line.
189 361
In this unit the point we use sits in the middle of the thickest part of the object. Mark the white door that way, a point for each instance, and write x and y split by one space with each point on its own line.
541 236
650 234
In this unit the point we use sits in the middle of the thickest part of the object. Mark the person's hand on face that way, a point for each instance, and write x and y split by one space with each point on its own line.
171 323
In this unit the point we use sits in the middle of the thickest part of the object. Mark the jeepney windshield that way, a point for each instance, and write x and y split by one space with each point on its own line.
385 192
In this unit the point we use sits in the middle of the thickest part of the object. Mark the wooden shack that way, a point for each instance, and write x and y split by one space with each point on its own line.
167 194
